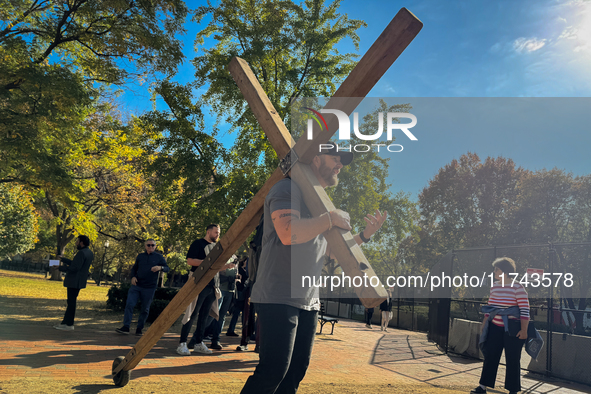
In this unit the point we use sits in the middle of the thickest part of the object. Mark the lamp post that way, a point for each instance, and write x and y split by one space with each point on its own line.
103 263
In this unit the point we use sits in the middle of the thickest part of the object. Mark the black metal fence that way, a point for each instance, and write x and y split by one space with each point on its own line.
23 266
408 313
560 301
559 295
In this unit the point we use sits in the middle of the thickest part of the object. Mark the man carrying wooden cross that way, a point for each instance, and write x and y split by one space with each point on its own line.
292 236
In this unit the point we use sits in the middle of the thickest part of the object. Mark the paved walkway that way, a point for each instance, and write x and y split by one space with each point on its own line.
353 355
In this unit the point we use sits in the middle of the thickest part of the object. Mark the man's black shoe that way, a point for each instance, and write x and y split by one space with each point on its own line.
232 334
139 332
123 330
478 390
216 346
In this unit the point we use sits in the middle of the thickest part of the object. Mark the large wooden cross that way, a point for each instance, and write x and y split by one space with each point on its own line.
296 158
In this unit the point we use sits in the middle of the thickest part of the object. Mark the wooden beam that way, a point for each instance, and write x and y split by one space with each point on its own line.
353 261
403 28
261 106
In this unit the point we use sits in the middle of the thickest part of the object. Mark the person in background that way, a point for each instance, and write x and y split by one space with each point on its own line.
504 327
197 253
240 297
227 289
386 308
76 277
368 316
144 280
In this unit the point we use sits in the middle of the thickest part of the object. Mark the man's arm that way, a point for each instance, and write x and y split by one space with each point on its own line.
194 262
75 264
197 263
292 230
163 266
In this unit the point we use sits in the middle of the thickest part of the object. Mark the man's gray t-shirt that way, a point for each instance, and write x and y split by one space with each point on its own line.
278 280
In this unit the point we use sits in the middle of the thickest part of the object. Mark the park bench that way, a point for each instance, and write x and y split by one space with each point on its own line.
324 319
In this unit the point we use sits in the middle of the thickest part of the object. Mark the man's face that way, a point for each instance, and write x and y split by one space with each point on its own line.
213 234
329 169
77 242
150 246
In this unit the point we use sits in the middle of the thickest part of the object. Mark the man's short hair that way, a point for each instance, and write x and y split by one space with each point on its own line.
505 264
84 239
148 240
212 226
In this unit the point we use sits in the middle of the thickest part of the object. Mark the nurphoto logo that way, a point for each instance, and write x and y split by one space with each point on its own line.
345 129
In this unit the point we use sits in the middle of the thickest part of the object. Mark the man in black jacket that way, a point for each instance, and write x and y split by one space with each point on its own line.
144 280
76 277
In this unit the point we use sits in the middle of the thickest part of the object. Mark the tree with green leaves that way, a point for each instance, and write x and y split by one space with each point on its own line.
468 203
18 221
186 165
469 200
108 186
554 206
291 49
57 56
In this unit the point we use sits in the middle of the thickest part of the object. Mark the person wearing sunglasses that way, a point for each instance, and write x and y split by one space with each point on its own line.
144 280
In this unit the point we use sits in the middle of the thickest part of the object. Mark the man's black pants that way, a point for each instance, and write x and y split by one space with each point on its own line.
286 340
201 311
496 341
71 309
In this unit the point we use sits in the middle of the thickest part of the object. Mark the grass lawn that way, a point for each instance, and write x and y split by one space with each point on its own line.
31 297
33 285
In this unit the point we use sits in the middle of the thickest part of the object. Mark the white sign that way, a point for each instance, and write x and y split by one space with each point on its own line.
54 263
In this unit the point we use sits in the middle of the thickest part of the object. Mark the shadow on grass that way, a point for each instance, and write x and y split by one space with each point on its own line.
25 310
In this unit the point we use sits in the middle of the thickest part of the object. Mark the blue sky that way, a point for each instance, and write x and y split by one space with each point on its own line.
476 49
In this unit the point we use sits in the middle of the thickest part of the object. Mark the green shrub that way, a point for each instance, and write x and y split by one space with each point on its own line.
117 296
164 293
156 309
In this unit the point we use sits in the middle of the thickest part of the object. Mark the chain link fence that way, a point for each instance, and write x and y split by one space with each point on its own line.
559 295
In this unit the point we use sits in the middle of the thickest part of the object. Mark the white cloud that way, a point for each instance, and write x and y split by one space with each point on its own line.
523 44
388 88
570 33
580 48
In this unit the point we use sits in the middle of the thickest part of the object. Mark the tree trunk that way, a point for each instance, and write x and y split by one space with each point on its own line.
171 277
64 235
55 274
